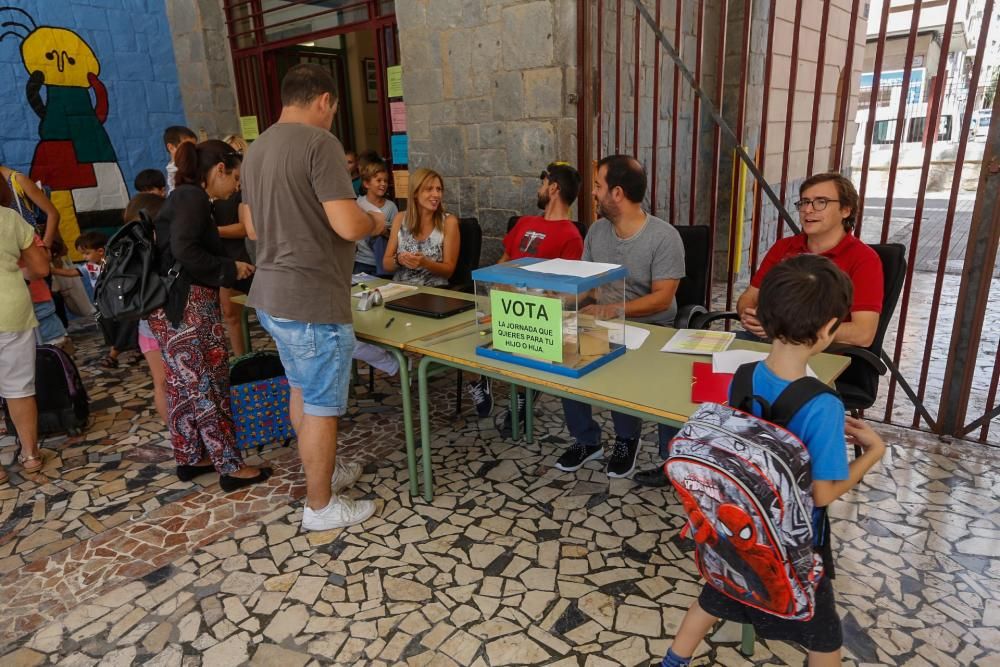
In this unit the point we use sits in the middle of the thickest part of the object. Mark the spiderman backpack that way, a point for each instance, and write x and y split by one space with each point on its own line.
746 485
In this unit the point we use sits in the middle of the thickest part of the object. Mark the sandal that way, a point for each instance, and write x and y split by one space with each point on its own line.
31 468
109 362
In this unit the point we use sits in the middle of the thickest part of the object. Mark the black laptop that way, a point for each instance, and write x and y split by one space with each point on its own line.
430 305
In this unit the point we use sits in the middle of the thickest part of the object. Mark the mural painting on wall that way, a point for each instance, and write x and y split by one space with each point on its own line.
74 156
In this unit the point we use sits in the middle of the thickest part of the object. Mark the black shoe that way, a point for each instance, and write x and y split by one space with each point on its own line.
187 473
654 478
482 396
622 463
230 483
507 428
574 457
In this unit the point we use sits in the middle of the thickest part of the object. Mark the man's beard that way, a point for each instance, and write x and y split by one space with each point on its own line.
543 200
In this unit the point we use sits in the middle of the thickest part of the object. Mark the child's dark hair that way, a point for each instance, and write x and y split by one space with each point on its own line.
195 161
58 247
91 241
150 202
800 295
150 179
175 134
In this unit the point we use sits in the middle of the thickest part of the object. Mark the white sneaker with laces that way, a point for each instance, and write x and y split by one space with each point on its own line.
345 475
339 513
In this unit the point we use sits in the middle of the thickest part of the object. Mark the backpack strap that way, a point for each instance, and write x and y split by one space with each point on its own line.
795 396
741 393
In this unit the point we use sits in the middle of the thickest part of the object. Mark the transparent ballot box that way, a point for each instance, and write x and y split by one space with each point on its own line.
561 316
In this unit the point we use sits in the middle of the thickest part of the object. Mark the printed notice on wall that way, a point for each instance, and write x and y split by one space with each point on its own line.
400 145
394 80
248 127
397 110
401 181
527 325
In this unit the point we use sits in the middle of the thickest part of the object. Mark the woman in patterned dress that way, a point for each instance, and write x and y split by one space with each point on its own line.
189 327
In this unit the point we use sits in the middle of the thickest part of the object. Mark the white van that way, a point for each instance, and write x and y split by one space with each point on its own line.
981 124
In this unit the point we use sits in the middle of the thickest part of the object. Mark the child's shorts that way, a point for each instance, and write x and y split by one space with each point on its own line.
146 341
822 633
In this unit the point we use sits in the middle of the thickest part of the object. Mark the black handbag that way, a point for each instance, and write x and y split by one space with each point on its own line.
130 286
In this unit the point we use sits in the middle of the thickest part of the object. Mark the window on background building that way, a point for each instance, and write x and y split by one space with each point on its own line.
885 95
884 132
944 128
915 131
864 98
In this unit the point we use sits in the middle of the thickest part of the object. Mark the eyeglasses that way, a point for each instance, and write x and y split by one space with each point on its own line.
545 174
818 204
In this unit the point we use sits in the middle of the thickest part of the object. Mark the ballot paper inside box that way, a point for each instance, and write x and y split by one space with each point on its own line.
559 316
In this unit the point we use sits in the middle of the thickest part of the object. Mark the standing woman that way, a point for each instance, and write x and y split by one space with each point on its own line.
423 243
233 235
189 327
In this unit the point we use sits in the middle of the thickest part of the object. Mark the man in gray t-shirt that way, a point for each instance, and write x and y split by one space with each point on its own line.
652 252
298 204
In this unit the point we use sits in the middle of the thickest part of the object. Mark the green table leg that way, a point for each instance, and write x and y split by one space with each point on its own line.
515 421
411 449
245 328
425 427
529 419
746 645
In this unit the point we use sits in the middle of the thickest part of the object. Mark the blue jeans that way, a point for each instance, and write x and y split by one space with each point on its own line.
317 361
584 429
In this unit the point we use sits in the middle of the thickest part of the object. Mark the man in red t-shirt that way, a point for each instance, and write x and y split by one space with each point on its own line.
549 236
827 206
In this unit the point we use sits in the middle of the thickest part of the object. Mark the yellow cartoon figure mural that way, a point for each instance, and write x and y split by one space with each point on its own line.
74 156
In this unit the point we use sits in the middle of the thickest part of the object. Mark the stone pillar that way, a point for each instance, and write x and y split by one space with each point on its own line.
487 94
204 66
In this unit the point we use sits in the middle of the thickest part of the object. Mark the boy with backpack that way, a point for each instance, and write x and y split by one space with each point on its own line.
122 337
756 479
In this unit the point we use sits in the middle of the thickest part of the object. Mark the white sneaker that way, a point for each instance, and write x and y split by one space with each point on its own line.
345 475
340 513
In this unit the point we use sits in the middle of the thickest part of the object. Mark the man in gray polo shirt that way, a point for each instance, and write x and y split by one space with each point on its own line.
652 251
298 204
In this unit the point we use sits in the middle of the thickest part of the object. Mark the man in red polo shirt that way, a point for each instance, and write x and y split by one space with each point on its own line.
827 205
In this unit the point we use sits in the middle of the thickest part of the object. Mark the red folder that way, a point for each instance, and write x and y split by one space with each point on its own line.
707 386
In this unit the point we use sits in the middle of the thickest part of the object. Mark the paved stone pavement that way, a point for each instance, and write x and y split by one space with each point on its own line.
106 558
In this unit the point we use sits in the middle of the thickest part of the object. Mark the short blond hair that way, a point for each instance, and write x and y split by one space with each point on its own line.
237 142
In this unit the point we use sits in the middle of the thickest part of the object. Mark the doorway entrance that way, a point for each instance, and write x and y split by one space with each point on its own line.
354 40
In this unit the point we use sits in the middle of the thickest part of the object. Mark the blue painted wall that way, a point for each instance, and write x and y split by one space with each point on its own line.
132 41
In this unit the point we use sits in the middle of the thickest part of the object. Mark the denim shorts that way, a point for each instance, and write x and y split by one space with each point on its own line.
317 361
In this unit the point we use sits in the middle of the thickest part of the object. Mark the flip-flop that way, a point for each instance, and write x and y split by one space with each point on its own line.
33 468
109 362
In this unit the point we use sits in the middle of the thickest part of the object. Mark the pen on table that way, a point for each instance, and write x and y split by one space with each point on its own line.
389 323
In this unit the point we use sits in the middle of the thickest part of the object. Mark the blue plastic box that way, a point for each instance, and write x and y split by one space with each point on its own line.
560 323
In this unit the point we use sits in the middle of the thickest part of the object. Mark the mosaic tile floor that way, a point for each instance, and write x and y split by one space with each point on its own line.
105 558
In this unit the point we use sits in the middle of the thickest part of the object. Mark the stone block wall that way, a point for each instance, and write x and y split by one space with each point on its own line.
204 66
133 47
487 88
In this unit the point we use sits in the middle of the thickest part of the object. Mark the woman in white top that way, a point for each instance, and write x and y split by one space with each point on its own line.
423 243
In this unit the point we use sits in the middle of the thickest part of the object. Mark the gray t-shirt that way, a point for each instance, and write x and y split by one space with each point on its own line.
655 253
303 266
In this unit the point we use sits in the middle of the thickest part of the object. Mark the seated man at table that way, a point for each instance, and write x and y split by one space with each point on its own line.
551 235
827 205
652 252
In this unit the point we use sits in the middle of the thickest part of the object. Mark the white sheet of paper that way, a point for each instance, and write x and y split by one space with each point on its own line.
634 336
570 267
730 360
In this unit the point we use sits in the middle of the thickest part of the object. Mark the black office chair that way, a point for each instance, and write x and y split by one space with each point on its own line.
469 249
858 384
582 228
692 307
